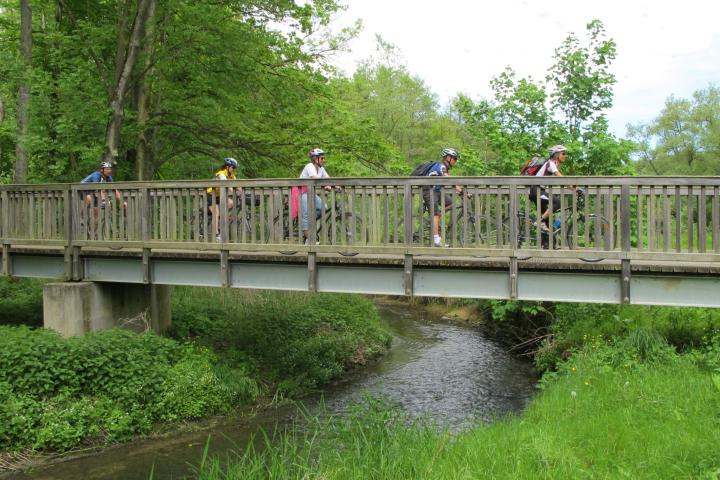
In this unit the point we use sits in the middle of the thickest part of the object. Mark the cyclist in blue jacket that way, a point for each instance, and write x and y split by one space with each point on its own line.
450 158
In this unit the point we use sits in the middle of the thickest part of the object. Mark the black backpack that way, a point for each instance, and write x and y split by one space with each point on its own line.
423 169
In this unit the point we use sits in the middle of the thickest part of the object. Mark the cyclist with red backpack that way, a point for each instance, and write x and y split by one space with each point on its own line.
540 168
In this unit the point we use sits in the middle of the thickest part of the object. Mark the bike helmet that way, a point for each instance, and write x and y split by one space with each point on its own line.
231 162
450 152
316 152
557 149
105 165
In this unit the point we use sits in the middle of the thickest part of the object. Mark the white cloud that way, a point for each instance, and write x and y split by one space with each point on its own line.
664 47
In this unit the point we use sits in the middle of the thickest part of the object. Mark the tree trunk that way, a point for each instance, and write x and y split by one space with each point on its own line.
144 161
117 104
23 101
2 117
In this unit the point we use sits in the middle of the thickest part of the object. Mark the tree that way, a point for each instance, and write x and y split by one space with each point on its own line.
684 139
126 56
580 78
523 119
23 99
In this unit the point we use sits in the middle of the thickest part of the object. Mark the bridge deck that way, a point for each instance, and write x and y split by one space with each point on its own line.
437 261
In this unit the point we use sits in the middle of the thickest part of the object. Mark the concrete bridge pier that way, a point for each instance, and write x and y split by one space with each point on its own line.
76 308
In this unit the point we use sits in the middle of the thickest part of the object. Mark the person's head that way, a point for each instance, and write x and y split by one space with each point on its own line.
450 157
317 156
558 153
105 169
230 164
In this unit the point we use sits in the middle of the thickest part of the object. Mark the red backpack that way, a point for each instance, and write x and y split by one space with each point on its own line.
532 166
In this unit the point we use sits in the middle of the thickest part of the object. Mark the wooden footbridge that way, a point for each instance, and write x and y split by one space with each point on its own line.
642 240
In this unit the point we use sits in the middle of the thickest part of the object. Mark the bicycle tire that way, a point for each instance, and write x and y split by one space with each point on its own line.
604 227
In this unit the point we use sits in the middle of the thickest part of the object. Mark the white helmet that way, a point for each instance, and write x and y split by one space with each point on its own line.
450 152
557 149
316 152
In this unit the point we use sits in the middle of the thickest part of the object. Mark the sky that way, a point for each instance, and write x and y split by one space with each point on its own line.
456 46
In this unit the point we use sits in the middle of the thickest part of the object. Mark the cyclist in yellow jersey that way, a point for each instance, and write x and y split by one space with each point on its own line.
227 172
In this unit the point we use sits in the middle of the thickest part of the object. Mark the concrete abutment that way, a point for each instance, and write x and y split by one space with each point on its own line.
76 308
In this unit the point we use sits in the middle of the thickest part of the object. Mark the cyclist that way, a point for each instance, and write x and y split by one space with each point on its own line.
226 172
442 168
551 167
101 175
314 169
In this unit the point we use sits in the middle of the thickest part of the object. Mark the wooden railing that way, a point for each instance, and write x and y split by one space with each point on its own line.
658 218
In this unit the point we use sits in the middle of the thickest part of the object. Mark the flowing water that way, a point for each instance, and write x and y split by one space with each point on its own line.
448 372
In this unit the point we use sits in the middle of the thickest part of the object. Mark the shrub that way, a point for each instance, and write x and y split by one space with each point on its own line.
21 302
299 341
111 385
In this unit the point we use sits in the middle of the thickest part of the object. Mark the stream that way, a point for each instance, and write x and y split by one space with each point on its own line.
446 371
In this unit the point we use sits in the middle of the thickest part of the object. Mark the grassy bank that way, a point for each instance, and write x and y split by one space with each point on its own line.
631 409
226 349
627 392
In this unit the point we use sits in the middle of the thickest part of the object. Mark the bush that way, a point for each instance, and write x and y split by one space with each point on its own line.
299 341
575 325
21 302
111 385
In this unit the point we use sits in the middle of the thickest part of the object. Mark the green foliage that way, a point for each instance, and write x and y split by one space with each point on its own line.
21 302
684 139
593 420
299 341
575 325
526 117
109 385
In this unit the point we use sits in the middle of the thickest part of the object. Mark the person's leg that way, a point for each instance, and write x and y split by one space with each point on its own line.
304 221
318 206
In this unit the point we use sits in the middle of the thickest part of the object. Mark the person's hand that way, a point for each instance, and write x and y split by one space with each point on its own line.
124 205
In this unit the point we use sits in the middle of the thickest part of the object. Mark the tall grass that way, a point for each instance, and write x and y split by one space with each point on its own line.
599 416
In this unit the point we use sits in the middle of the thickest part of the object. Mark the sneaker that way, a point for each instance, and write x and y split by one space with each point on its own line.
218 238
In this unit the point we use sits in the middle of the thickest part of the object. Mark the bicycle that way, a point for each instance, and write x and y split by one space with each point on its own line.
343 223
579 234
464 228
233 215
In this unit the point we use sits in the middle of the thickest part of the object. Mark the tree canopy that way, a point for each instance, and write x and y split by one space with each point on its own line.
167 88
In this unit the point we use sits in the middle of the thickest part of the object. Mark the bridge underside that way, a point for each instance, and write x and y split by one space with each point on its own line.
691 284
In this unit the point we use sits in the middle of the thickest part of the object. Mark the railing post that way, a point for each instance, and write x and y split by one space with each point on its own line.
223 215
5 233
407 214
312 221
513 242
145 216
69 231
626 271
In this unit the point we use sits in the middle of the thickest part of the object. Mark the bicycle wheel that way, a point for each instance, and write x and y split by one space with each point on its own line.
586 236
